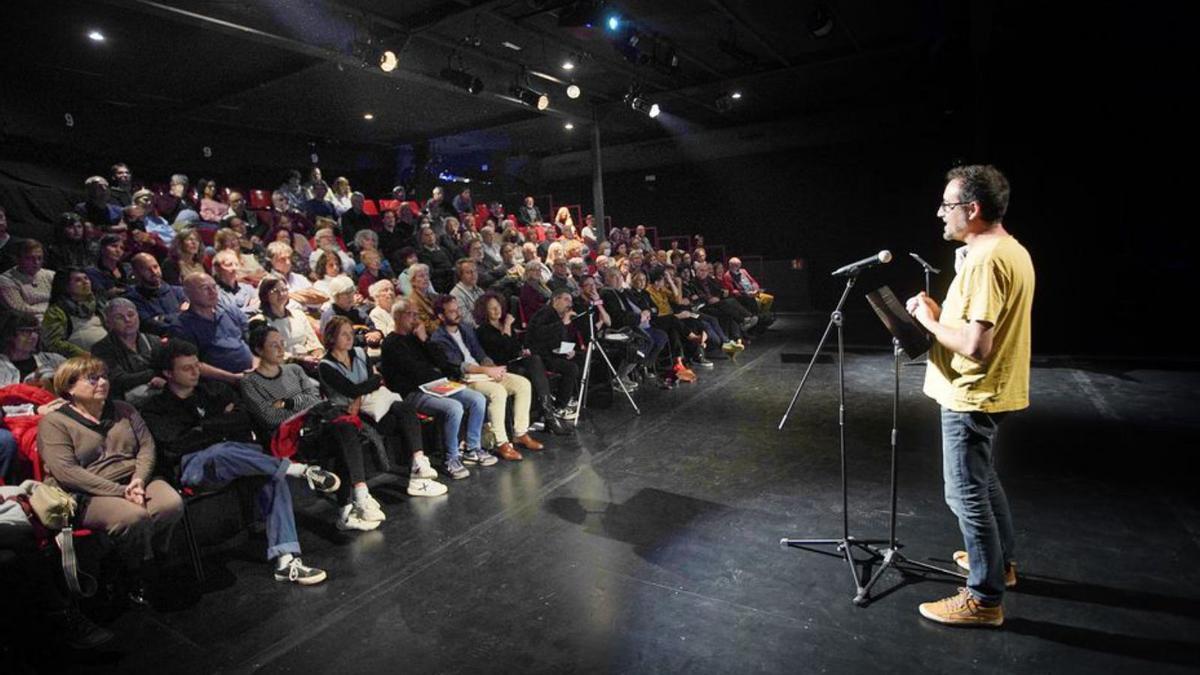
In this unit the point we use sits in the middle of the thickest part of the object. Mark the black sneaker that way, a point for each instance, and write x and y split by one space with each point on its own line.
77 631
321 480
298 573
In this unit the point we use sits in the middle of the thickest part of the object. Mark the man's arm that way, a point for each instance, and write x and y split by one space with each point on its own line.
974 340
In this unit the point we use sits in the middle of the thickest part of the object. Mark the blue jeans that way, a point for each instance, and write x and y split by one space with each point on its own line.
8 452
974 494
451 410
223 462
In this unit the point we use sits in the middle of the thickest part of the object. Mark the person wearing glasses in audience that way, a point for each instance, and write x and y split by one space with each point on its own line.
102 450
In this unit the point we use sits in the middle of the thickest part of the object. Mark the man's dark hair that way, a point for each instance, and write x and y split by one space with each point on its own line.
440 302
985 184
173 349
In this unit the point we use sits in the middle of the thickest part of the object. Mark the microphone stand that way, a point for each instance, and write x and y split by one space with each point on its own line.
929 269
889 556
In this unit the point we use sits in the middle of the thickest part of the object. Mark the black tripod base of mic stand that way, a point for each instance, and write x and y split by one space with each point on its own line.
884 557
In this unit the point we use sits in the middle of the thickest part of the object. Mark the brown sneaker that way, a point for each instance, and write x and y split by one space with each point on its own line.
962 610
1010 570
528 442
507 451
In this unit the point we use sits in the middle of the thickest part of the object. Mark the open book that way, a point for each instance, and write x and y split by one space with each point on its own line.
442 388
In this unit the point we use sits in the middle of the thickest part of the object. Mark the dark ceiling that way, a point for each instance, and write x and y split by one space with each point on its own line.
295 67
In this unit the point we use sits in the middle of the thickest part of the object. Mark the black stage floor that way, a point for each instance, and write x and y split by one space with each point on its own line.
651 544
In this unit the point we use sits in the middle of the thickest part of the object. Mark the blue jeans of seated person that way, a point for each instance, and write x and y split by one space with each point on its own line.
716 336
223 462
8 453
451 410
974 494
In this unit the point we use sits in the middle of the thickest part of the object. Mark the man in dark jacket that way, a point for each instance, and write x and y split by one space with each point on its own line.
158 303
549 328
201 430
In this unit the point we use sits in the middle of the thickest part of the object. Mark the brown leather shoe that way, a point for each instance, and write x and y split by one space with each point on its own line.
507 451
528 442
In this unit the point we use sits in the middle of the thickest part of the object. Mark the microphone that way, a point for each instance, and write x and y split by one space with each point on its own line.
860 265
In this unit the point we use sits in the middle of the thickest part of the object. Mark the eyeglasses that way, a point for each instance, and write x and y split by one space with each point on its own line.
949 206
95 379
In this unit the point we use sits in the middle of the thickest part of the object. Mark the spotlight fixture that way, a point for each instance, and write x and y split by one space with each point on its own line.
568 63
530 97
573 90
633 98
614 22
568 126
388 60
511 45
96 36
462 79
724 102
368 116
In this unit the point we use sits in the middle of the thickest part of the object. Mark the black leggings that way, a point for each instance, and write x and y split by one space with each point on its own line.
339 442
401 420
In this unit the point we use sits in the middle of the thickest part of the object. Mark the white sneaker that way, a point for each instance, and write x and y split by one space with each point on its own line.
422 487
423 469
371 511
351 518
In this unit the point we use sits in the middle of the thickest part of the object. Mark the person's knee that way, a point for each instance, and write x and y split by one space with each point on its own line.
128 521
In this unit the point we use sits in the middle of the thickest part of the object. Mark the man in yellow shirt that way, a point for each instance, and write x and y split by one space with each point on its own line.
978 372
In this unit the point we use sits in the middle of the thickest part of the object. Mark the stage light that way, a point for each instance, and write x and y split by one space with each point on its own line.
512 46
614 22
463 80
573 90
96 36
654 110
388 61
531 98
569 63
568 126
735 95
368 116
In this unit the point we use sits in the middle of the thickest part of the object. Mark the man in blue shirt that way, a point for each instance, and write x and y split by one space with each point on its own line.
158 303
217 328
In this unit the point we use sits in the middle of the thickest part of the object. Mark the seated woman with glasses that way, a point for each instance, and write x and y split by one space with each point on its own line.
300 342
100 450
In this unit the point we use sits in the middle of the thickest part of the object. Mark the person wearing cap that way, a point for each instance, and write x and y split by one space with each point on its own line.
97 209
342 303
152 221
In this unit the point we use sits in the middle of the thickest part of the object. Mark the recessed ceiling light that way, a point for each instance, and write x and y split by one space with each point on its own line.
515 48
568 126
736 95
568 63
369 116
573 90
96 36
